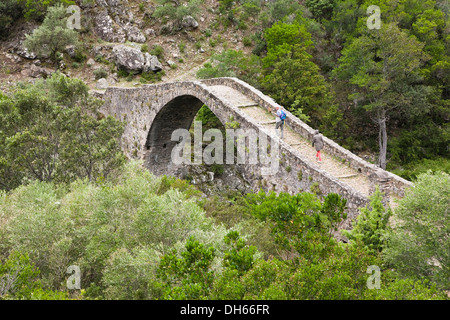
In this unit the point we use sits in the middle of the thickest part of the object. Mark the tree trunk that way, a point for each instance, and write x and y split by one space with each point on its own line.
382 138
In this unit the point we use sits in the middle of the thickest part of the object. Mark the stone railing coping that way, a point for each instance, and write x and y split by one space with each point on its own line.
307 132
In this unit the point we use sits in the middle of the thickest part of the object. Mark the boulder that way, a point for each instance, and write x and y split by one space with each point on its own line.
102 84
24 53
189 22
107 30
151 63
170 63
34 71
127 58
134 34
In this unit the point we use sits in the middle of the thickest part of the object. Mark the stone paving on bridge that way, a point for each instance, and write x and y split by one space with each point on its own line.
153 112
333 166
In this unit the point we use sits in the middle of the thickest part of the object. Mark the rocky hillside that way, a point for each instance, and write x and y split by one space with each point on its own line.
123 44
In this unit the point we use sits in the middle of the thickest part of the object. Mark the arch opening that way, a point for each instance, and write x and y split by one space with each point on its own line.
179 113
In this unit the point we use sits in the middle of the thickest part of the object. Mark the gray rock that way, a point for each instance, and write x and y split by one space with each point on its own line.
150 32
14 58
134 34
34 71
128 58
152 63
189 22
113 3
101 3
90 62
71 51
107 30
102 84
24 53
97 50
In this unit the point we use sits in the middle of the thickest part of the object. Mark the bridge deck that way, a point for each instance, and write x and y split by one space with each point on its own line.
330 164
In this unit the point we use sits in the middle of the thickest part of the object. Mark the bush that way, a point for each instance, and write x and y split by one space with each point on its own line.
371 223
71 142
37 9
10 12
52 36
247 41
115 231
417 242
19 280
100 73
232 63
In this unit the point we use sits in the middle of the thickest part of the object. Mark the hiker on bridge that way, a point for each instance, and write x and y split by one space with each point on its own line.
281 116
318 143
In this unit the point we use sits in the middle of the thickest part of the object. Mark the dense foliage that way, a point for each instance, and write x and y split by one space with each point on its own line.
384 91
137 236
53 35
68 197
51 131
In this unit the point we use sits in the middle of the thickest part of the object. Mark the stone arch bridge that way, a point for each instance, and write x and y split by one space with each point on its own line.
153 112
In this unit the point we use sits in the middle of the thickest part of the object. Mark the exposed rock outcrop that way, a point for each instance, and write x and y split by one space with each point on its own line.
189 22
107 30
134 34
133 60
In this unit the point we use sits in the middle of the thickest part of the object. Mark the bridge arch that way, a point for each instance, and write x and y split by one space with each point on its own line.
153 112
178 113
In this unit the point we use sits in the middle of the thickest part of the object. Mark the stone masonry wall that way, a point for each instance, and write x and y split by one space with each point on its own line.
139 107
393 183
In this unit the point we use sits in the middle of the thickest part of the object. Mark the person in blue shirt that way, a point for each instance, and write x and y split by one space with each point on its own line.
280 121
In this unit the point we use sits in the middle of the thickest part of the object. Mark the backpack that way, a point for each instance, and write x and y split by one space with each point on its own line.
282 115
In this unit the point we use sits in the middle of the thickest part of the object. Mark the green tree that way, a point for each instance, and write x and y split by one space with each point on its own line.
52 36
188 277
233 63
240 256
371 223
10 11
50 134
383 68
19 280
321 9
418 240
290 75
36 9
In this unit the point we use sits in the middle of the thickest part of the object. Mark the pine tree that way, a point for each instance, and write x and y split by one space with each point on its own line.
371 223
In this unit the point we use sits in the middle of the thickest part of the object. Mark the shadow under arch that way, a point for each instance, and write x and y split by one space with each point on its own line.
179 113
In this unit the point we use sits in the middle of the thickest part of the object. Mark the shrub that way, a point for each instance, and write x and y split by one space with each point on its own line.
371 223
158 51
53 35
417 242
247 41
19 280
144 48
100 73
